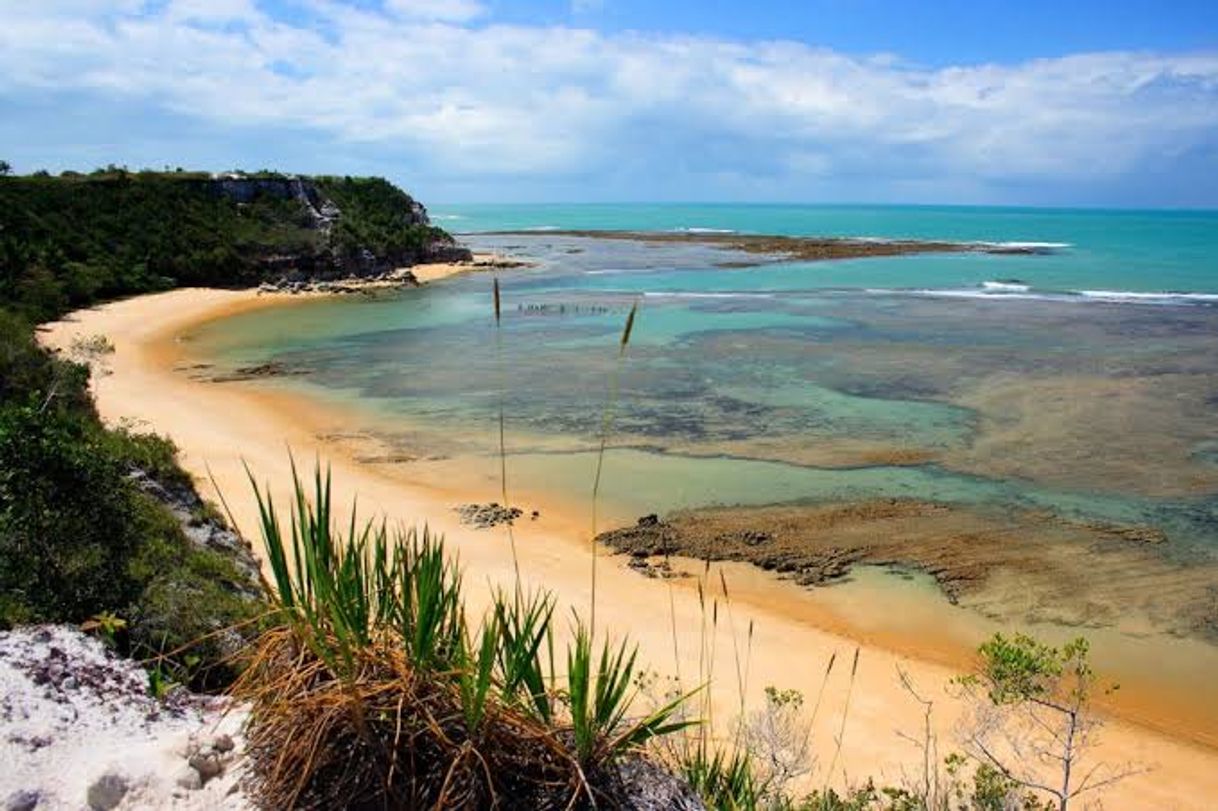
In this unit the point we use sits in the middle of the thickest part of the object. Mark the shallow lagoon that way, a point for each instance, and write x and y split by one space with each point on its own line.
785 382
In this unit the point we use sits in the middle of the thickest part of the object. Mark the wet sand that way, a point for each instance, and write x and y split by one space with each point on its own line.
217 426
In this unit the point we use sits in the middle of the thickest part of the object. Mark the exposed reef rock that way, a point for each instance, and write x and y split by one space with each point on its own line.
808 249
1008 564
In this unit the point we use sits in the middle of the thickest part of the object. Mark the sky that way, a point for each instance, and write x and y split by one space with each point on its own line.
1066 103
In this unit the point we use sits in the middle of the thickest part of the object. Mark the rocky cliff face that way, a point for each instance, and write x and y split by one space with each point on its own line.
242 189
336 257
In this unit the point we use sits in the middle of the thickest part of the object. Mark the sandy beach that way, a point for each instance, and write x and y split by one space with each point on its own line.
218 427
436 271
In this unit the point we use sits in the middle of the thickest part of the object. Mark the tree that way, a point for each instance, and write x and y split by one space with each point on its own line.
5 168
1034 722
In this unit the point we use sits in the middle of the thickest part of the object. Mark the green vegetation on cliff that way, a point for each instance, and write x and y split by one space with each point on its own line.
68 241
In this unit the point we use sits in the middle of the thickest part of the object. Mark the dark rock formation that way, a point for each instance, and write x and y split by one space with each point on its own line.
639 784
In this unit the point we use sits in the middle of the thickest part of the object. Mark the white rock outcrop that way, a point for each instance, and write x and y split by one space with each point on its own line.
78 729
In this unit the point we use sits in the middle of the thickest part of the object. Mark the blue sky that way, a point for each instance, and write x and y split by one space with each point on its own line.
1033 103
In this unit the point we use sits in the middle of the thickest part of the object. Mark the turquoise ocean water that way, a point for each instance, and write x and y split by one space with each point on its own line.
1120 250
792 381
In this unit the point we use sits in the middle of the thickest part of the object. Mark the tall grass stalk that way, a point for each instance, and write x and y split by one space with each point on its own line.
731 628
606 427
672 616
501 385
820 693
841 731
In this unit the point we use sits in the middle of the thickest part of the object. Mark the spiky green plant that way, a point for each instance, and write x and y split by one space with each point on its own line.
525 623
427 613
724 782
343 592
331 591
475 669
600 700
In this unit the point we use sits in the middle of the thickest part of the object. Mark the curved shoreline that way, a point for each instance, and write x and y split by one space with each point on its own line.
218 426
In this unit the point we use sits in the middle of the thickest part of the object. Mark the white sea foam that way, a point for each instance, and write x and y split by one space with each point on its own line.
1154 298
542 228
696 229
981 245
969 293
1005 287
1026 246
1009 292
703 295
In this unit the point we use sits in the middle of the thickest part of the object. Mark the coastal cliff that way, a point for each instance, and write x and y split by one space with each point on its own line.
339 211
70 240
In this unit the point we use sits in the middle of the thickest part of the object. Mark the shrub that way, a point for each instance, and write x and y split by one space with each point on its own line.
70 522
372 689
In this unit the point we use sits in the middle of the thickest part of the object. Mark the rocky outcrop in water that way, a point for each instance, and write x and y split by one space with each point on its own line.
485 516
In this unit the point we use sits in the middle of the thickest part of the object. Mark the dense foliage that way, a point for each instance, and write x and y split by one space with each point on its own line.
78 537
70 240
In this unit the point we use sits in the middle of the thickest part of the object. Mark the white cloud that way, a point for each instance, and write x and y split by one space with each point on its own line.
211 11
448 10
494 99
